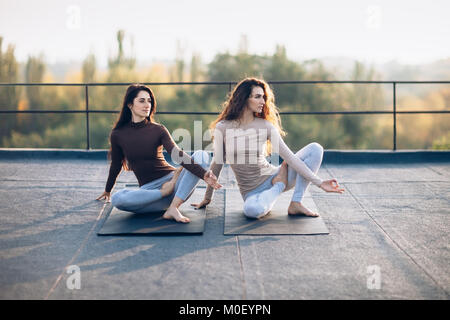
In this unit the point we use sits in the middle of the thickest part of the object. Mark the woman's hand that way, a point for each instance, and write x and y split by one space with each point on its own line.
201 205
211 180
331 186
105 196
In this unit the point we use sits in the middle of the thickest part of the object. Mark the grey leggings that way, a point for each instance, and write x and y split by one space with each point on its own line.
148 197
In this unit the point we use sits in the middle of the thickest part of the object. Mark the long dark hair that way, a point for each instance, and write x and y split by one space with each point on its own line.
132 92
125 114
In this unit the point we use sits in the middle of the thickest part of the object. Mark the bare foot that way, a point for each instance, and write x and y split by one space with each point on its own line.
173 213
297 209
168 187
282 175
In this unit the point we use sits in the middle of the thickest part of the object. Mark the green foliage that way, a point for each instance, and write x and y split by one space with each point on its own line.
9 96
332 131
120 60
89 69
443 143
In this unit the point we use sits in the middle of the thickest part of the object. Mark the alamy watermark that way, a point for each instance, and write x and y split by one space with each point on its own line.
74 280
373 277
374 17
73 21
242 146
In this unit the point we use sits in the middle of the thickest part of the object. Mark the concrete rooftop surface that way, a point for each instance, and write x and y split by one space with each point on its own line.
388 239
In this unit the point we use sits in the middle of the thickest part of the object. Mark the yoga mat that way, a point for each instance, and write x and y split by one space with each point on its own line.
119 222
276 222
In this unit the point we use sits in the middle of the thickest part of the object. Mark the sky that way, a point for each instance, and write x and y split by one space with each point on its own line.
376 31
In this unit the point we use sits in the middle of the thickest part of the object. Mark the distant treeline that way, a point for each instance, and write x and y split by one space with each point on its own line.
332 131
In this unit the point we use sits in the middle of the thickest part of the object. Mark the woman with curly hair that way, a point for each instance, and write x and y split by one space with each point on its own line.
246 131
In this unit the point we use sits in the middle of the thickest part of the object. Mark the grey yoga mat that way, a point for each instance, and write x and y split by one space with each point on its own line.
120 222
276 222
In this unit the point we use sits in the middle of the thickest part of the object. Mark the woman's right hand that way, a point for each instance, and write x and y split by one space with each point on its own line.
105 196
211 180
201 205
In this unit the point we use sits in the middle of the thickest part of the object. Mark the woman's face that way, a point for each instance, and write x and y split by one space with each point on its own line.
142 105
256 100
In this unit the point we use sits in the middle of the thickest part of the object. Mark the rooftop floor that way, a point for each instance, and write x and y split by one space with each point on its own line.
392 221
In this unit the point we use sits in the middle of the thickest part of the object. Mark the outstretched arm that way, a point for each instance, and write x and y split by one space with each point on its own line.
179 155
300 167
117 156
216 166
297 164
215 169
186 161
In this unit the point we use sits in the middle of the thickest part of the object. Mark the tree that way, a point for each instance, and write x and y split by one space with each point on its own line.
9 95
281 68
359 129
243 44
34 73
228 67
120 60
179 62
89 69
196 68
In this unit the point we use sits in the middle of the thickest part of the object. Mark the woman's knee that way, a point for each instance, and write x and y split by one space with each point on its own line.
116 200
316 148
119 199
201 157
253 209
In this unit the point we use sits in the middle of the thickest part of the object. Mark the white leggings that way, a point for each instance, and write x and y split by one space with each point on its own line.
260 200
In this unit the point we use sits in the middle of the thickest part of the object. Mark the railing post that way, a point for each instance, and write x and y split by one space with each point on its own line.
88 143
394 113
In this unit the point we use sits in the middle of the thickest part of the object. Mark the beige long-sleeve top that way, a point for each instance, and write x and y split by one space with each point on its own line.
243 147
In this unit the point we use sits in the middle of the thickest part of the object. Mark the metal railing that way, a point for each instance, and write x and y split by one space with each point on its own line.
230 84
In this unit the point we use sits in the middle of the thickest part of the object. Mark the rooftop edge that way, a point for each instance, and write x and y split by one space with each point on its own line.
330 156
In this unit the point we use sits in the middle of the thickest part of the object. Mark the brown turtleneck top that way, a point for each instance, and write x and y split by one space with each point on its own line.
141 144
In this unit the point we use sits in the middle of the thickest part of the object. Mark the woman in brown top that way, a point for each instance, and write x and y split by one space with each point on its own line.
136 144
248 125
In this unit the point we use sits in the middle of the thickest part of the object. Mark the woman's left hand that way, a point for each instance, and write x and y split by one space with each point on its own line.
331 186
211 180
